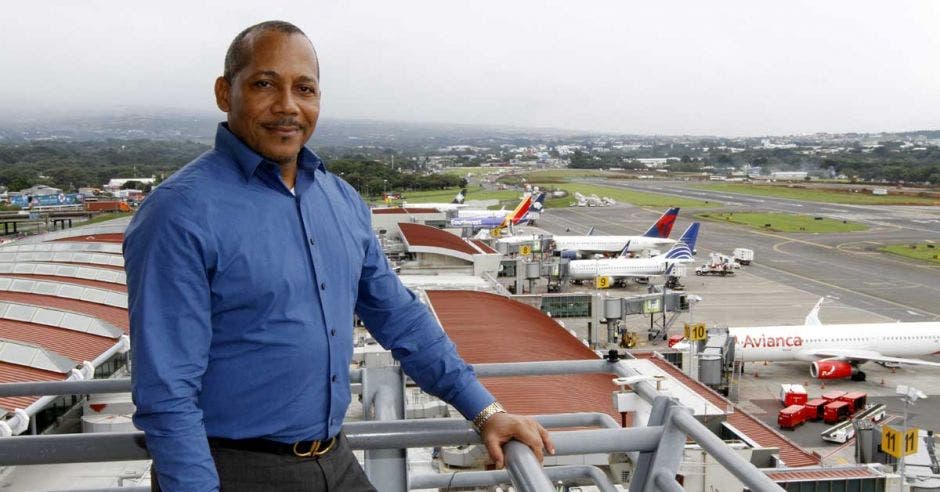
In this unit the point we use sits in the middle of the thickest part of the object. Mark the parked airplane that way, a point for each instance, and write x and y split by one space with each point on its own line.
574 247
539 199
502 219
836 350
621 268
456 204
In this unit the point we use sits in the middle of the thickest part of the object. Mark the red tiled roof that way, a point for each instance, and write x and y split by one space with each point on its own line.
784 475
491 328
70 280
422 235
114 237
91 265
790 453
75 345
13 373
409 210
114 315
484 247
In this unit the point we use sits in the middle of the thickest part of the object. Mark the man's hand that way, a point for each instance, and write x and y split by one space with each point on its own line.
502 427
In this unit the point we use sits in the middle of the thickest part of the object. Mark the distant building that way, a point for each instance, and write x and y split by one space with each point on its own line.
40 190
789 175
116 183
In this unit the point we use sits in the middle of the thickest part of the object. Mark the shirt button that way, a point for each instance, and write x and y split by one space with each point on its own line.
323 286
333 332
311 241
334 378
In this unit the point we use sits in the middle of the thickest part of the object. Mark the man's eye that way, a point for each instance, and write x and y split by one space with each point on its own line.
262 83
308 89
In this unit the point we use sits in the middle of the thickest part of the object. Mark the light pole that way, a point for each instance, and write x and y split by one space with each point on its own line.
909 395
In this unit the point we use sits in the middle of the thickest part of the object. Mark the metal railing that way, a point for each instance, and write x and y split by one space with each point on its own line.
386 437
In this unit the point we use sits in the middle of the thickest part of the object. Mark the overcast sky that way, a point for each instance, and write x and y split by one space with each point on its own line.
663 67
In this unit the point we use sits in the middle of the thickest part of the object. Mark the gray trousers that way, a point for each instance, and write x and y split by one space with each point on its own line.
249 471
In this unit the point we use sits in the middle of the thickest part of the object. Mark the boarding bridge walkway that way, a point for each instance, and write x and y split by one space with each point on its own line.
656 448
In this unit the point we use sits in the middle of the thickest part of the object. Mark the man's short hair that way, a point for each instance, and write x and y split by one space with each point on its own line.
239 52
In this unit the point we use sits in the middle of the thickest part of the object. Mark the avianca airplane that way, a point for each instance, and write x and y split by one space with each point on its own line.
623 267
500 219
836 351
456 204
573 247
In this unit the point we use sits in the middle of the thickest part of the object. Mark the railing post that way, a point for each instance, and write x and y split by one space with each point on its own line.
524 469
383 398
642 469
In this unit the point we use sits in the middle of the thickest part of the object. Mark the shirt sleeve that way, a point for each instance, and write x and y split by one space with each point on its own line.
167 261
402 324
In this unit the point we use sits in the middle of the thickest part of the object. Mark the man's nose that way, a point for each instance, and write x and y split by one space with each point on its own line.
286 102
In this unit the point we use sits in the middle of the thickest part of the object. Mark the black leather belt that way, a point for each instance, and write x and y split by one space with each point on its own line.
303 449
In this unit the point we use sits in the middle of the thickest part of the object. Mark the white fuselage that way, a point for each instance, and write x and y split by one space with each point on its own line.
611 244
790 343
618 267
443 207
476 213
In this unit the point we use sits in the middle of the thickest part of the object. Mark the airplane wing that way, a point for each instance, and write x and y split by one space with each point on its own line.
860 356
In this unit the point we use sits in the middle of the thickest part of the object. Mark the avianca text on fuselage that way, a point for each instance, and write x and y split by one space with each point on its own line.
765 341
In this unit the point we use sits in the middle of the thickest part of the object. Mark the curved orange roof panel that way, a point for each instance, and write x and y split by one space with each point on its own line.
492 328
432 237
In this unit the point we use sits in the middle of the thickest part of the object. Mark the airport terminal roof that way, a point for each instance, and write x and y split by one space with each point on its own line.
492 328
420 238
752 427
63 302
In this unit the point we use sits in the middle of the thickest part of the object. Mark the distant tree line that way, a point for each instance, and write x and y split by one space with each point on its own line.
73 165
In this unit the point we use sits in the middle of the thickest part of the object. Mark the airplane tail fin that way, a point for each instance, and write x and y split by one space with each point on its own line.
812 319
690 236
624 253
663 227
539 202
460 197
518 213
683 249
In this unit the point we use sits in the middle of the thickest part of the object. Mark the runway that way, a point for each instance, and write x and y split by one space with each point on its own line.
846 266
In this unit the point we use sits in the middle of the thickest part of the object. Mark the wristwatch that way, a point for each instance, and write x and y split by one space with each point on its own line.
492 409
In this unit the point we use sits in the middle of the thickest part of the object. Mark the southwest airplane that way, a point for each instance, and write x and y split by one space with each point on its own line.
499 219
623 267
836 351
573 247
473 213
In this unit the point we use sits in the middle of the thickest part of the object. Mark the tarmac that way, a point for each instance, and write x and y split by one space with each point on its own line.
789 274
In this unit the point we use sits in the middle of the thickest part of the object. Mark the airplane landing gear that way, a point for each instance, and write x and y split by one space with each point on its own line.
858 376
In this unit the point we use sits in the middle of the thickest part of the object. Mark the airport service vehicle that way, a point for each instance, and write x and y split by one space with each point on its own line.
575 247
792 394
843 431
835 351
617 270
720 269
743 256
456 204
856 400
814 408
791 417
833 395
591 201
835 411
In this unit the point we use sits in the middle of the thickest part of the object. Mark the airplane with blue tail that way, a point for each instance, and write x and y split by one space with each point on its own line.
624 267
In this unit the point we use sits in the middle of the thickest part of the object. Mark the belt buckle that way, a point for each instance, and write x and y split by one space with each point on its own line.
315 450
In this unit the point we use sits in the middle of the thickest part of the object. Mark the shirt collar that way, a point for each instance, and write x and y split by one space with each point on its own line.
248 160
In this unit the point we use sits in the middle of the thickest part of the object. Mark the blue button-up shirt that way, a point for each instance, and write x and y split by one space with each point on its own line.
241 297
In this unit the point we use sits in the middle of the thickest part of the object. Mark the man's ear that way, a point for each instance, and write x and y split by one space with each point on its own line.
222 92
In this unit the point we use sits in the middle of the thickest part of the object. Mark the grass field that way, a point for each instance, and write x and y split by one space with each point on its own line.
448 195
638 198
462 171
924 251
554 176
817 195
780 222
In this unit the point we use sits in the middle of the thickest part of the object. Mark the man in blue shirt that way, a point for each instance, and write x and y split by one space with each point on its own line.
244 270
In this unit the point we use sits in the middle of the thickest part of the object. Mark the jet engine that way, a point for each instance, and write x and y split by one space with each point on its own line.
832 369
570 254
